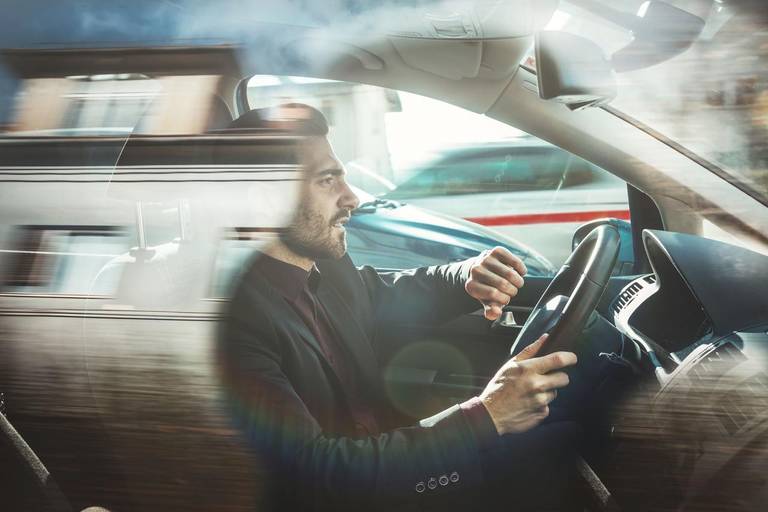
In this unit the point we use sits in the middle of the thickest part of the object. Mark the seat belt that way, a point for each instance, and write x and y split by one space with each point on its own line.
52 498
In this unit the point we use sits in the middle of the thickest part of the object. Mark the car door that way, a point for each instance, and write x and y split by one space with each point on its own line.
428 368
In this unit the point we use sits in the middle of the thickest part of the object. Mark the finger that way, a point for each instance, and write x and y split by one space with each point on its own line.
505 272
541 400
505 256
555 361
492 311
486 294
552 381
531 350
488 278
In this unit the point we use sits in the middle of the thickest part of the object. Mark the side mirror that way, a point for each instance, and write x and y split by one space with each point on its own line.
572 70
625 262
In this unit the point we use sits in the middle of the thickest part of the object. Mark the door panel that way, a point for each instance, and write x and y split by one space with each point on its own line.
427 368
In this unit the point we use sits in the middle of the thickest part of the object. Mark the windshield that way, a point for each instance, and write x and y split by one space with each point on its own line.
362 195
712 99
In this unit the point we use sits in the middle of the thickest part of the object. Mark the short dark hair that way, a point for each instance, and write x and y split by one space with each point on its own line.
296 118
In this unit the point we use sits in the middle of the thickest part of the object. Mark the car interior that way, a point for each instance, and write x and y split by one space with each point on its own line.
115 401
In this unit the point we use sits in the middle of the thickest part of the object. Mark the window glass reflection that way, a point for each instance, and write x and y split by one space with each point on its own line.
63 259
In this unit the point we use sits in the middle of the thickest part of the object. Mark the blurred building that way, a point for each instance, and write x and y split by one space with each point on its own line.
115 104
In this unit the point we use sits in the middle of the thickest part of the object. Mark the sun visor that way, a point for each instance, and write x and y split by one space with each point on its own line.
462 40
449 59
467 20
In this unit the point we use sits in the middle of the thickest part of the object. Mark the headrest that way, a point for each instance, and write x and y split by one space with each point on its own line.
296 118
220 117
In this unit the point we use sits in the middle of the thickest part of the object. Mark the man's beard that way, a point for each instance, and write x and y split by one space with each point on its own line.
312 236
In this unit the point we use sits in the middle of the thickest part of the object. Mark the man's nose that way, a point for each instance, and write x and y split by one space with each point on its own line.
348 198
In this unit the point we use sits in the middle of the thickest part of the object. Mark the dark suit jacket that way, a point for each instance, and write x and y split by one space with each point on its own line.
294 412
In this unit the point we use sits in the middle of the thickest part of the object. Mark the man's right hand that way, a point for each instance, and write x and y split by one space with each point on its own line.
518 396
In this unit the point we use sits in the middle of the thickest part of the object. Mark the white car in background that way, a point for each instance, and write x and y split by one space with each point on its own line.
517 187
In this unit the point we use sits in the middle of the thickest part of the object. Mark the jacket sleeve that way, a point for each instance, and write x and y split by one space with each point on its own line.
437 456
426 296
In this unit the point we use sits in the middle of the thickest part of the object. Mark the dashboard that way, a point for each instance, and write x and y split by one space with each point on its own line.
700 322
700 291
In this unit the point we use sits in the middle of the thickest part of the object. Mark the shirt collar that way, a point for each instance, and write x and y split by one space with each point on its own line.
289 280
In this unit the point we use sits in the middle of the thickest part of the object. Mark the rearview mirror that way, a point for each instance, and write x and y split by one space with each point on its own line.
659 32
625 262
572 70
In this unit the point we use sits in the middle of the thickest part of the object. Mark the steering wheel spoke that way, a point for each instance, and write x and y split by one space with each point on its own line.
564 308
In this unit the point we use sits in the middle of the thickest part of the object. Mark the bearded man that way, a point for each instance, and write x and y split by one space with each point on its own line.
300 348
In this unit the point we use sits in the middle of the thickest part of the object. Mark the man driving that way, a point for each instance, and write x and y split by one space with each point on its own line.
300 352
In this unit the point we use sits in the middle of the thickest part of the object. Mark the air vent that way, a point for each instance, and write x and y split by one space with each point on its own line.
626 296
650 279
748 402
716 364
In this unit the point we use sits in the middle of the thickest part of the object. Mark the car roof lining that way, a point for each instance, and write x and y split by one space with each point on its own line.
404 68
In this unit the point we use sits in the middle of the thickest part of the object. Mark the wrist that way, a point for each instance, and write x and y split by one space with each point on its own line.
492 416
481 422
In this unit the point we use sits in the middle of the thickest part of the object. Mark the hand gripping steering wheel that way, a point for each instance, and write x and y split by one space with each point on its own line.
565 306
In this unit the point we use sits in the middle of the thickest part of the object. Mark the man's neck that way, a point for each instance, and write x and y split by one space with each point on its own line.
280 251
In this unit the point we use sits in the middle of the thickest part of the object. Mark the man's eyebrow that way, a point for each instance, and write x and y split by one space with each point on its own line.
329 172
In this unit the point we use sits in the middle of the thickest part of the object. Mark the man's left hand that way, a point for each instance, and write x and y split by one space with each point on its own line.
495 278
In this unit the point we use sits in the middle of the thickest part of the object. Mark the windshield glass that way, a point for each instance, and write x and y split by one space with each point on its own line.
712 99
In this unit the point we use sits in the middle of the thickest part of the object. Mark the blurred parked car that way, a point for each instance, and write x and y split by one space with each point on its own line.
517 186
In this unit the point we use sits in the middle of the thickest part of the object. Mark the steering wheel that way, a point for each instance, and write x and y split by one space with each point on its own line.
564 308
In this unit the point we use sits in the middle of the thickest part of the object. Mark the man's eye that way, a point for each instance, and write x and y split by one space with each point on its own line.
327 181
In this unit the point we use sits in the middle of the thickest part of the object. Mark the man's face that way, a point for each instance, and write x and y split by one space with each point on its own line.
317 230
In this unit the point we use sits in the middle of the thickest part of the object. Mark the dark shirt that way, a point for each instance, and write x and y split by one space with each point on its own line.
298 287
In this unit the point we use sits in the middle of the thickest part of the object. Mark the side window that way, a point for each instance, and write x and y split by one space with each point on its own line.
63 260
513 170
499 171
447 165
468 175
424 183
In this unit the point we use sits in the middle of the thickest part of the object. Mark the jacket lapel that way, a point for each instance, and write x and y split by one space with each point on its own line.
276 303
353 337
344 322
